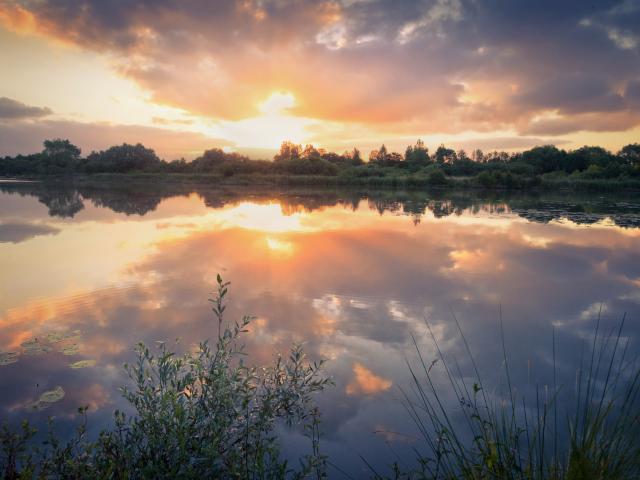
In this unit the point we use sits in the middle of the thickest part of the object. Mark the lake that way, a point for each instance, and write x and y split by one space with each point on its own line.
89 270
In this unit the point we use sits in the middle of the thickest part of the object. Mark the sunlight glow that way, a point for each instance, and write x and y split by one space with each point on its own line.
265 218
269 129
280 247
277 103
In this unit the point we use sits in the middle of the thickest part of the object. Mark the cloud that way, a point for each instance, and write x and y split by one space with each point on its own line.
425 66
19 232
574 93
632 93
595 122
12 109
27 137
171 121
366 382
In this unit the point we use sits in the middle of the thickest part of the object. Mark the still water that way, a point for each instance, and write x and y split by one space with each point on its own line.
91 270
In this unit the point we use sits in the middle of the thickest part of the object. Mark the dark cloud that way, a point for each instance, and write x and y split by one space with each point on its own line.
12 109
632 93
598 122
19 232
574 93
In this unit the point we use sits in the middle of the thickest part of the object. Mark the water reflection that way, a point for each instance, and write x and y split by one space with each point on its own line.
351 274
66 200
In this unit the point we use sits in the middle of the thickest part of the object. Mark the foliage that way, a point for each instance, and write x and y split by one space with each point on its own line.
123 158
436 177
497 170
197 415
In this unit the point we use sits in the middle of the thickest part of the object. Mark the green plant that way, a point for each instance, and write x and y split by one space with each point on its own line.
504 437
197 415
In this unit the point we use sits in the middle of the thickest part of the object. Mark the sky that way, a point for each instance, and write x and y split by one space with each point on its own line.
244 75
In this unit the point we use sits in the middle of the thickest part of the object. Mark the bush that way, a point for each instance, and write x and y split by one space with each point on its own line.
436 177
197 415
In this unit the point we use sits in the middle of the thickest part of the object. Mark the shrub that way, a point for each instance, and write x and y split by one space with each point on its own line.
197 415
436 177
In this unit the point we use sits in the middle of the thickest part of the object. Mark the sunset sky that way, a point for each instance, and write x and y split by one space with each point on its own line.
182 76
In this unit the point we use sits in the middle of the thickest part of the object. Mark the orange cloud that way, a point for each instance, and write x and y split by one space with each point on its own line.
366 382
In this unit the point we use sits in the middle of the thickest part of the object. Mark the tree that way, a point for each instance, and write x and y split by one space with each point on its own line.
288 151
393 159
123 158
209 160
355 157
379 156
478 156
417 155
310 152
545 159
580 159
444 155
630 154
61 149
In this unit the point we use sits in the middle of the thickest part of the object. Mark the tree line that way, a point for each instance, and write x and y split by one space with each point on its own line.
489 169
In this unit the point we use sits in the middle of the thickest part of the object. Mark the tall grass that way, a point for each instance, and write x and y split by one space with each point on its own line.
594 435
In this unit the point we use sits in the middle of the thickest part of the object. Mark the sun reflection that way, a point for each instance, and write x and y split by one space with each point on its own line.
280 247
265 218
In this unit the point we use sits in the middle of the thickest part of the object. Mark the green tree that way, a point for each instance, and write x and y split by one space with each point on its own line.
417 155
355 157
61 149
545 159
630 154
288 151
444 155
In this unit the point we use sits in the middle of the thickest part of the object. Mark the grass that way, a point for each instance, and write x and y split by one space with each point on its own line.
510 436
207 414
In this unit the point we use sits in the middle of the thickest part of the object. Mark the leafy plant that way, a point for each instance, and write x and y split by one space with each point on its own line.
197 415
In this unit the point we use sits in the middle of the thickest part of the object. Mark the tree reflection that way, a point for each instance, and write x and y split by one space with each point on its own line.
65 200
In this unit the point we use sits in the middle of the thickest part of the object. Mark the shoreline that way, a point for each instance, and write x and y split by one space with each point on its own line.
408 182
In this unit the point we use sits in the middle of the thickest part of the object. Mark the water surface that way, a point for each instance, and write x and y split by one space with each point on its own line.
353 275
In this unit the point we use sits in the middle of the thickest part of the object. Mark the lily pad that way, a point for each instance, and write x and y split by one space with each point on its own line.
47 398
7 358
52 396
38 406
82 364
73 349
55 337
36 348
73 336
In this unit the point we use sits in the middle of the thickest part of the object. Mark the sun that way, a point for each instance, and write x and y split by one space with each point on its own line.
275 124
278 103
